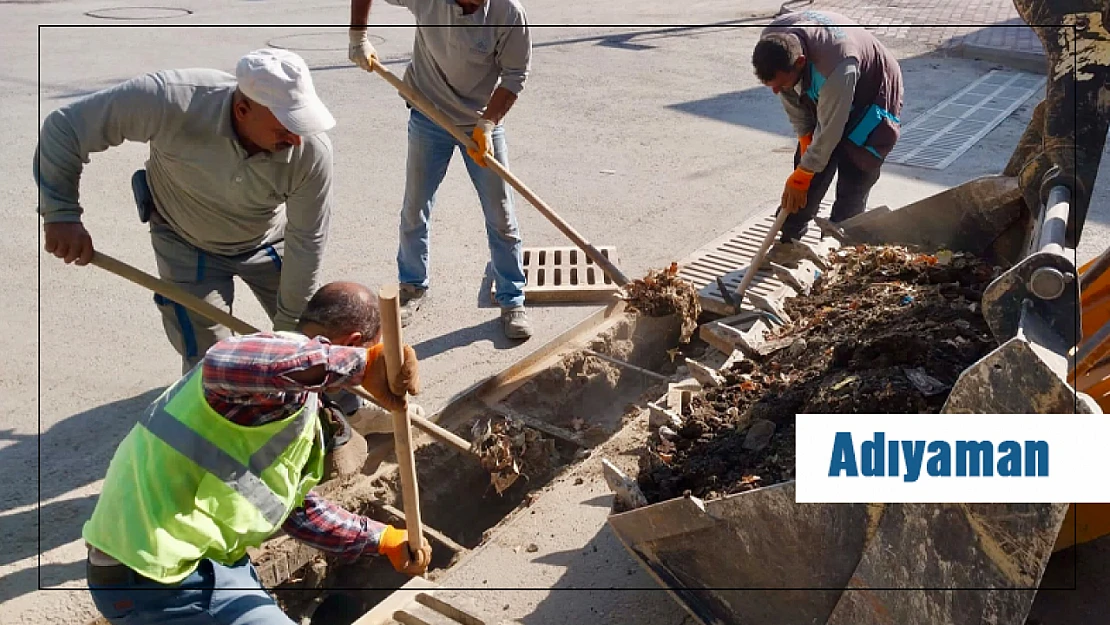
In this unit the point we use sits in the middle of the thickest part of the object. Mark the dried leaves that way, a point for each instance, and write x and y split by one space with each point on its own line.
504 446
662 293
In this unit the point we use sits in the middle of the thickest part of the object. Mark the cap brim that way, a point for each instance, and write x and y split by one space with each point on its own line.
307 120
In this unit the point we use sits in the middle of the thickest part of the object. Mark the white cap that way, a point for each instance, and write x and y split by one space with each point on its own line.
279 80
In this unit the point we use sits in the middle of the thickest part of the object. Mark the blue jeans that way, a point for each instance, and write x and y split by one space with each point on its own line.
213 595
430 151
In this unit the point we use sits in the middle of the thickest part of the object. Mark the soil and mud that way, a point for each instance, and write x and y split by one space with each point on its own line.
886 330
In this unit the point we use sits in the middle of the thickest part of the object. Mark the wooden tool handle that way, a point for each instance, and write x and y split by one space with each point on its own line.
204 309
402 432
172 292
428 109
757 261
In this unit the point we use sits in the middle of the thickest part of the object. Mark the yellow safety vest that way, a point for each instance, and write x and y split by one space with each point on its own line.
187 484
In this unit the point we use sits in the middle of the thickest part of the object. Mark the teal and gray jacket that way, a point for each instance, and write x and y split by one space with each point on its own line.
850 92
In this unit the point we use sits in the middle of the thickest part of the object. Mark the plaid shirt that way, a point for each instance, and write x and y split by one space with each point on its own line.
246 379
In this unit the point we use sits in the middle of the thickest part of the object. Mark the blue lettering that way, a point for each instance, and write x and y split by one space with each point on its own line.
978 454
1036 456
843 456
1009 465
940 465
915 456
892 470
872 456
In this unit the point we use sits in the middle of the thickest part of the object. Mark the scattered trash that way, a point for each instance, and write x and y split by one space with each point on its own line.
927 384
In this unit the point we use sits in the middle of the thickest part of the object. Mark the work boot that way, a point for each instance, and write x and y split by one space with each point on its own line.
785 252
412 298
371 418
514 321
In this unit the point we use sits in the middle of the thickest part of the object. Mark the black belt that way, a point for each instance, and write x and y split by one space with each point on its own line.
115 575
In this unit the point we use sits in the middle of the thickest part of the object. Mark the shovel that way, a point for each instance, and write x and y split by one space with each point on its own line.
428 109
737 299
195 304
402 427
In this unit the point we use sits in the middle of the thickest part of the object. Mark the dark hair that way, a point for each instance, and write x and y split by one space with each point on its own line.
775 52
342 308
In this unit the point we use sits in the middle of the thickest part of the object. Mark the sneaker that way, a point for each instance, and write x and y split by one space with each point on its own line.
412 297
514 321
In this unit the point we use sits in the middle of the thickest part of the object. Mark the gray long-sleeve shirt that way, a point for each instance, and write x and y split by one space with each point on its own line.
459 60
204 184
833 107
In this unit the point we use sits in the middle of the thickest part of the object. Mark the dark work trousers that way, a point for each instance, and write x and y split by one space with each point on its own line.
853 185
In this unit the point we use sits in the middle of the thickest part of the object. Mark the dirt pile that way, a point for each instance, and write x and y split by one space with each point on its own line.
886 330
662 293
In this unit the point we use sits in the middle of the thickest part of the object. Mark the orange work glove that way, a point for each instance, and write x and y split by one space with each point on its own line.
803 143
376 381
483 136
796 191
394 544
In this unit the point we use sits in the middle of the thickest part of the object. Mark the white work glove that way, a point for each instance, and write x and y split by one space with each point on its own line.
360 51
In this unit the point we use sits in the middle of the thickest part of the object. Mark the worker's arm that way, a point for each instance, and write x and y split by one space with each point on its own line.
274 371
271 364
360 14
329 528
801 118
513 54
832 113
131 111
307 211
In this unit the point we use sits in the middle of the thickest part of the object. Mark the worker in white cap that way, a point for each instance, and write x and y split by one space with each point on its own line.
238 183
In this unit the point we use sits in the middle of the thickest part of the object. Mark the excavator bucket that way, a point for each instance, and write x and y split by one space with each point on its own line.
759 557
986 217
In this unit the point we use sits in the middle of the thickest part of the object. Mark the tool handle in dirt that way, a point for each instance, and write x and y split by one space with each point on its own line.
388 301
757 260
428 109
200 307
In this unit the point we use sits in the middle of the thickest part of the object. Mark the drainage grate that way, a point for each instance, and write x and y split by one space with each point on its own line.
943 133
730 256
565 274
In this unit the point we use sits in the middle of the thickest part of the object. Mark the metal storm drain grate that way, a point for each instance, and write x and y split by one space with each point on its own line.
729 257
943 133
566 274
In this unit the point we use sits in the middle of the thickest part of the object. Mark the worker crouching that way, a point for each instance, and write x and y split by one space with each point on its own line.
229 455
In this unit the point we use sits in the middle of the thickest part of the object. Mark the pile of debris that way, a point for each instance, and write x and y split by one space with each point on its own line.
505 448
885 330
663 293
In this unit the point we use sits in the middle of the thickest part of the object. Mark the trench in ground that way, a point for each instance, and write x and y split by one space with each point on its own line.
582 394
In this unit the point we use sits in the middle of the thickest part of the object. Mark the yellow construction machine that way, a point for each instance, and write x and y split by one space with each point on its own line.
953 563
